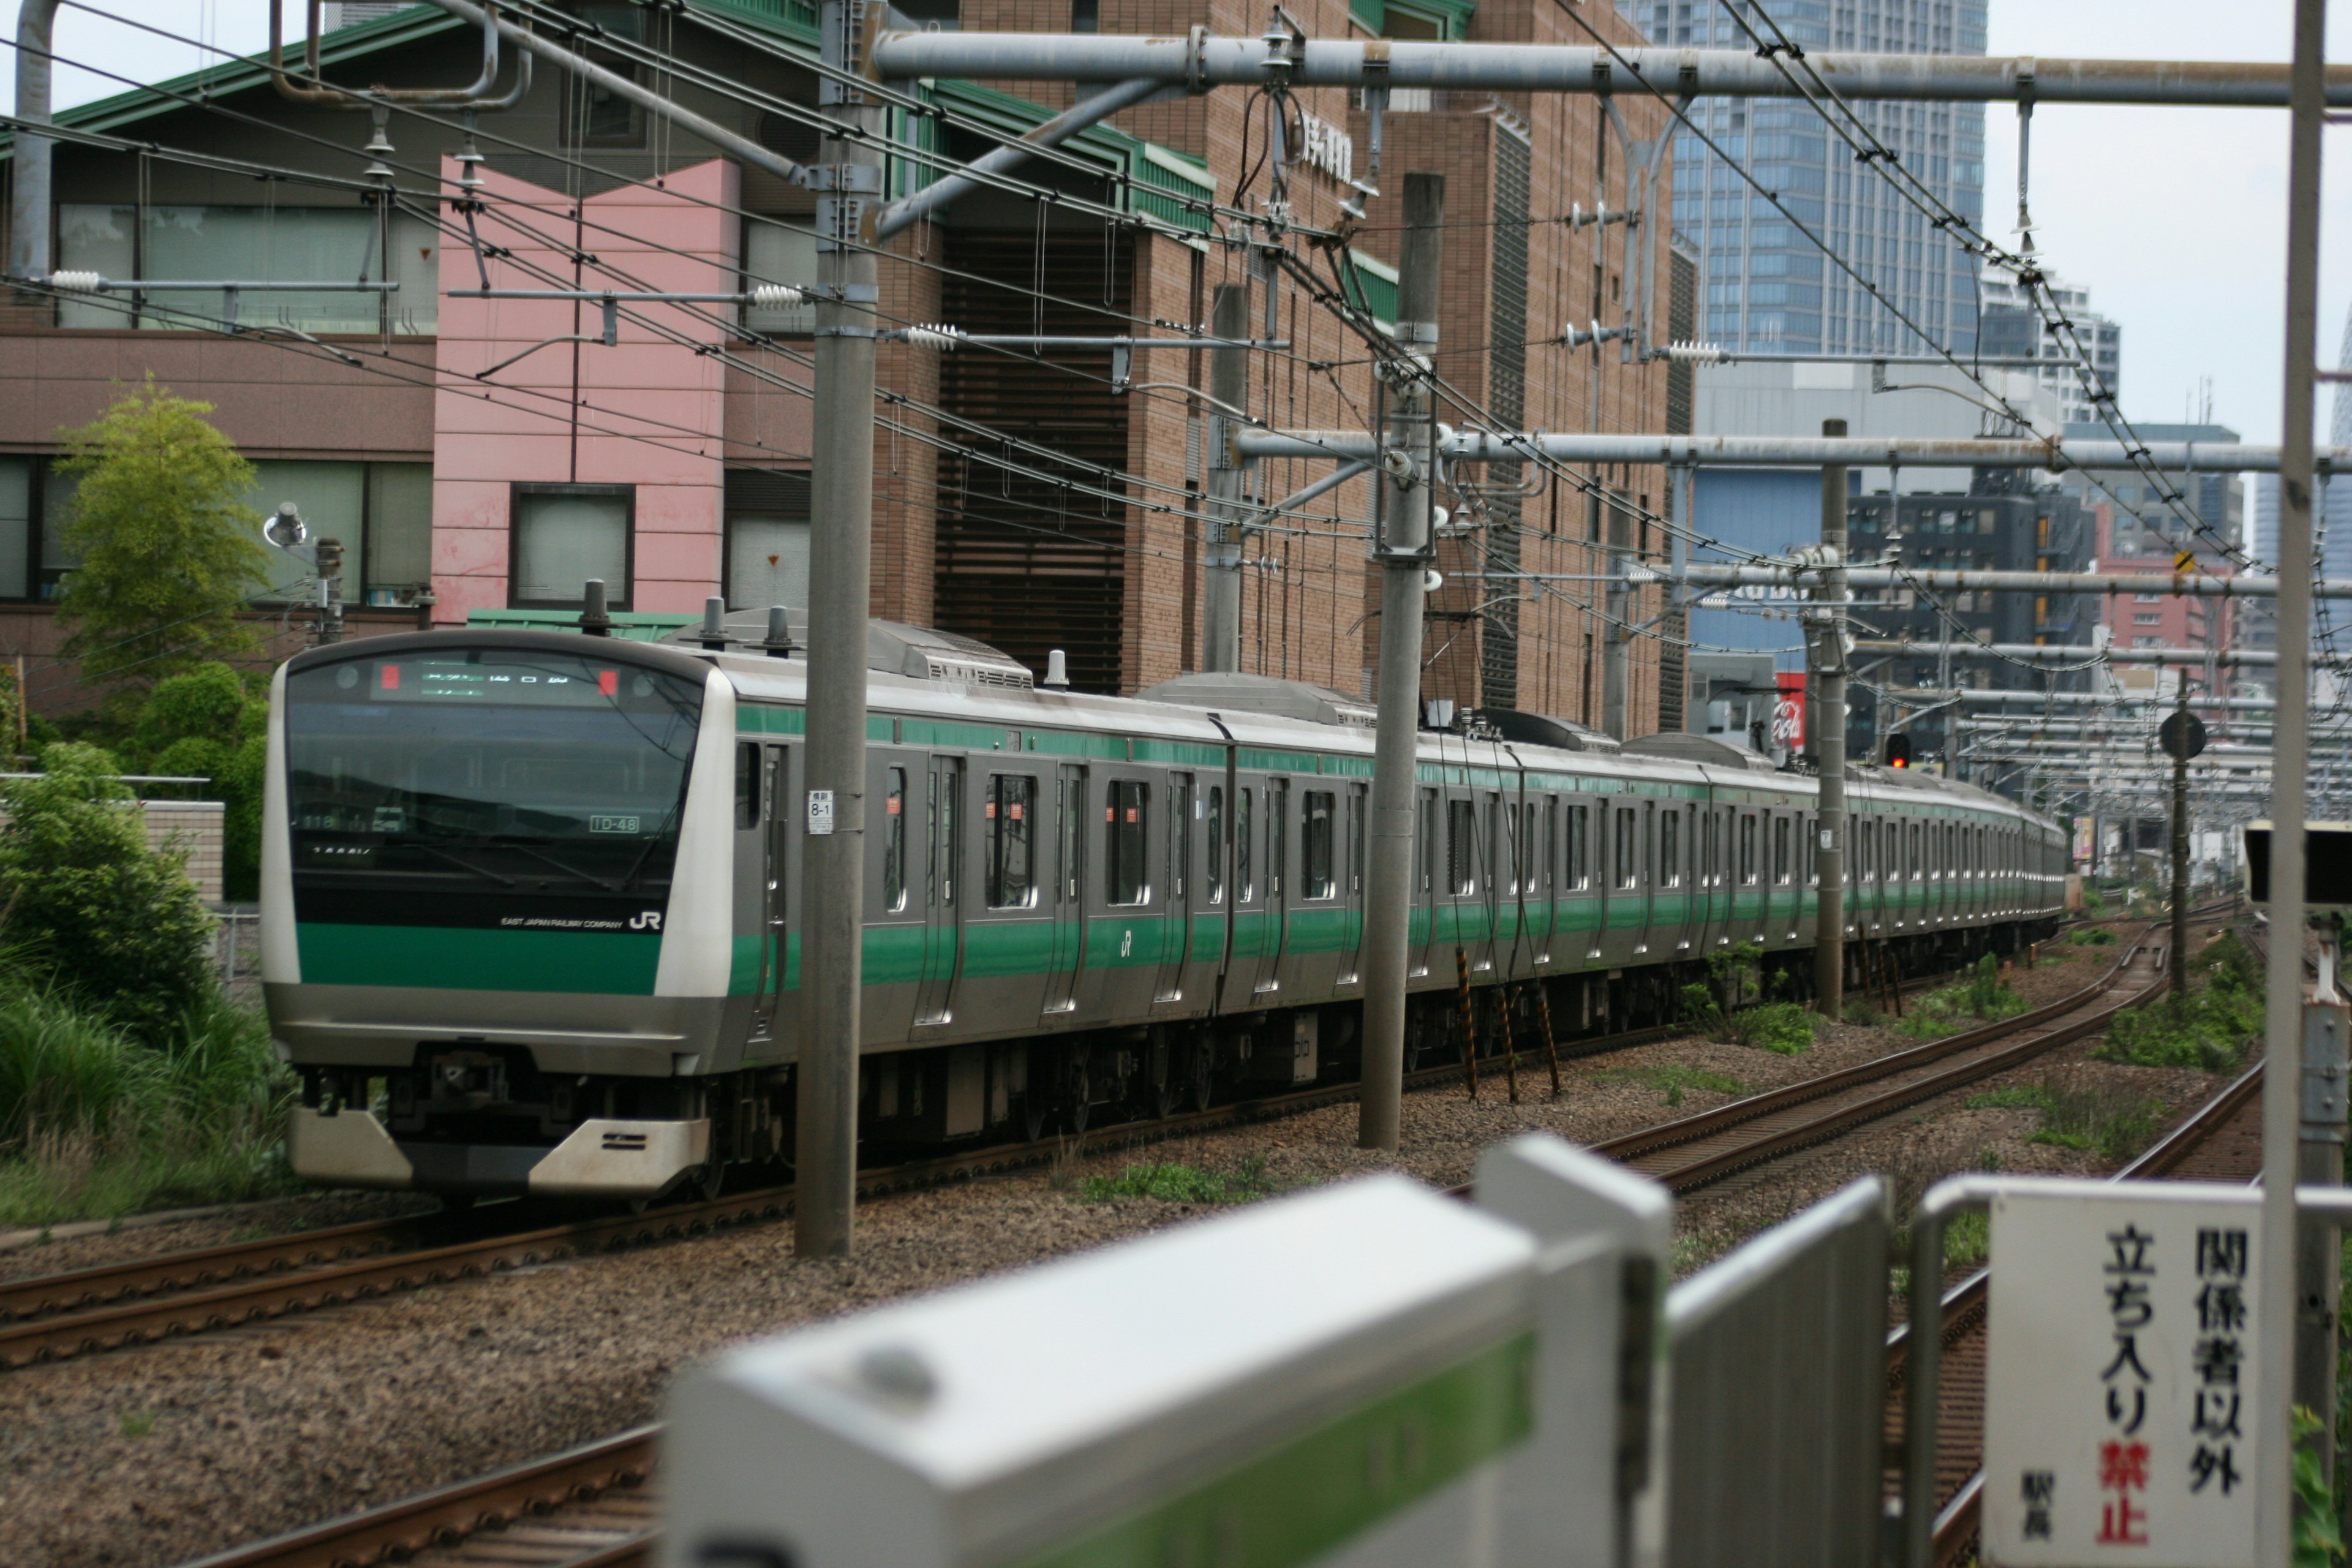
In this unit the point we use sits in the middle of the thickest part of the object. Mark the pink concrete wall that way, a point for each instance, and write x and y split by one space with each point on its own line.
647 411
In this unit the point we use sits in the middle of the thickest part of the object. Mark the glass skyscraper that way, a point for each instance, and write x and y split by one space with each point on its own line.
1766 288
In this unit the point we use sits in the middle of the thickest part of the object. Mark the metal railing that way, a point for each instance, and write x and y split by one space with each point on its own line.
1779 1383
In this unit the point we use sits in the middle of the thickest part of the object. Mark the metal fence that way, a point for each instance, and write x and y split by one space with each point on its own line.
1779 1389
237 948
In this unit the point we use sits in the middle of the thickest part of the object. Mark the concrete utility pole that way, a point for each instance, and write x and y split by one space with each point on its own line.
2282 997
832 903
1827 725
2180 849
1221 550
1403 549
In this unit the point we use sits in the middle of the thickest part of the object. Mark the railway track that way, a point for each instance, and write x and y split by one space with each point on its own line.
1706 1148
596 1507
114 1306
2222 1141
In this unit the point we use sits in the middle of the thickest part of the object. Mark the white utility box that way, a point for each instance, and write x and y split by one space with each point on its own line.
1341 1377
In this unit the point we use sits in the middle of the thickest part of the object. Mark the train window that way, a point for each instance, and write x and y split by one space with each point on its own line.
1126 832
1502 845
1747 849
1070 814
1317 847
1549 870
747 784
1782 869
1245 878
894 839
1011 812
1580 833
1914 862
1670 850
1213 826
1628 868
1811 852
1461 846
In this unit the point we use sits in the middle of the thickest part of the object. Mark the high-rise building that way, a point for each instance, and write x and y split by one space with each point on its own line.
1768 287
2010 326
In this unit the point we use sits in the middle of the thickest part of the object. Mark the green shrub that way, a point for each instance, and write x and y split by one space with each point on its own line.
89 908
205 723
2209 1029
1175 1183
1785 1027
1982 997
2092 936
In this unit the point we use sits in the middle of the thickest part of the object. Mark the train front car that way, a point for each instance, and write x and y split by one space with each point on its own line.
479 947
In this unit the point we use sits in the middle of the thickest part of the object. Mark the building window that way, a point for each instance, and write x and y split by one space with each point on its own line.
778 250
767 537
593 115
2146 618
1086 16
565 534
262 244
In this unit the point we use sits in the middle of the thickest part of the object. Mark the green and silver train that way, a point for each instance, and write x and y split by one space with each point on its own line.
531 901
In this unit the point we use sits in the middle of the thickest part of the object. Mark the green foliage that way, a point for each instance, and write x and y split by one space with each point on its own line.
1968 1237
1982 997
1734 971
2113 1123
1674 1080
202 723
2318 1533
167 551
2209 1029
1175 1183
137 1423
95 1120
1783 1028
2092 936
1864 1014
111 925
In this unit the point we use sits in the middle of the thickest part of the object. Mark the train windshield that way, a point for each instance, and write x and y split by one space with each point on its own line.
497 771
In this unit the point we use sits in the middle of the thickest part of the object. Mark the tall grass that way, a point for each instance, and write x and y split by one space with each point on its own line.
1982 997
95 1122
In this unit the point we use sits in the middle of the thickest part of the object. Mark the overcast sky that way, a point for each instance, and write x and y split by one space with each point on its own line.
2174 217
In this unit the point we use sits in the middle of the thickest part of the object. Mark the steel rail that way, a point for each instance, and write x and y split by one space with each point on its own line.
1963 1306
444 1515
1200 60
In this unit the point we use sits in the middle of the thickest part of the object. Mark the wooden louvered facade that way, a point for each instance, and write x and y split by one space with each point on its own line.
1031 542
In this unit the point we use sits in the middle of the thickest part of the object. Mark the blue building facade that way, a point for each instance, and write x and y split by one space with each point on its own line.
1767 289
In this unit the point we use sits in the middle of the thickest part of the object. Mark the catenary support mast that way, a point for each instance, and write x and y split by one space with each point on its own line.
1221 550
832 901
1827 729
1403 549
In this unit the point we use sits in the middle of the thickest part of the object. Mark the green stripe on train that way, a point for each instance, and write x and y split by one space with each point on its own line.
619 964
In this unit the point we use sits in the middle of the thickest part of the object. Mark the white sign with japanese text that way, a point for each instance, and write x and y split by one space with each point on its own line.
2119 1376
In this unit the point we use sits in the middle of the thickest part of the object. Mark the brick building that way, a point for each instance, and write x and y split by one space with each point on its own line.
490 454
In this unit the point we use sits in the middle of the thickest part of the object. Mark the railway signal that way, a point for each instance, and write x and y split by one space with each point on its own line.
1898 751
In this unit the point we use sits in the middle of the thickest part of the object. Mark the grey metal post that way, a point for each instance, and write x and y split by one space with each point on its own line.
1828 727
840 569
2283 994
1221 550
2319 1277
2180 851
1404 550
28 194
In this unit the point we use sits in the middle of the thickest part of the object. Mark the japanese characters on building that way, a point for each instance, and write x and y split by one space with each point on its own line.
2115 1424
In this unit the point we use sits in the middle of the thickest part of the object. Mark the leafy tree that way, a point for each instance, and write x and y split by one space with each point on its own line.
205 723
89 905
168 553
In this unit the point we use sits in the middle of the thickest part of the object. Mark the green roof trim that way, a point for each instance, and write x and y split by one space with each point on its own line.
1451 17
1374 287
1148 167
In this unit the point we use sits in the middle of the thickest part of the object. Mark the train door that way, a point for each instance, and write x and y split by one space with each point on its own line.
776 935
943 891
1176 903
1651 867
1066 950
1428 825
1274 892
